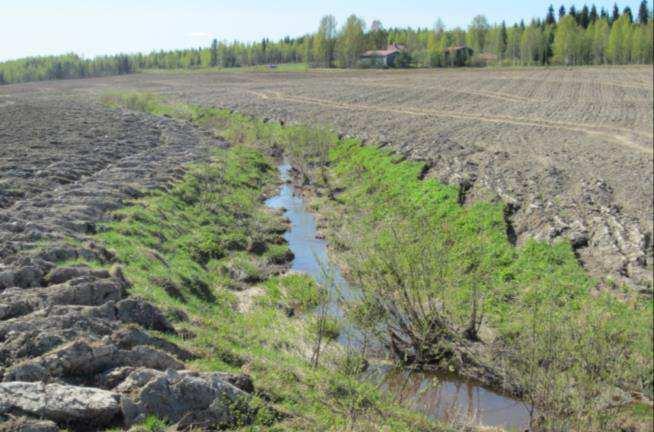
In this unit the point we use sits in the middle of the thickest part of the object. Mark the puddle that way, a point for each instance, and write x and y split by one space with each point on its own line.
437 396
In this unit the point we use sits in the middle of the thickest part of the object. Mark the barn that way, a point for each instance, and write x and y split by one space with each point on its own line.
382 58
458 55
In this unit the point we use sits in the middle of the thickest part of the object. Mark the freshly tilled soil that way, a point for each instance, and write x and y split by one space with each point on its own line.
72 341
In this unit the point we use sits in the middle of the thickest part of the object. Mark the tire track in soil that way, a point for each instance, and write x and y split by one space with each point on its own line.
602 131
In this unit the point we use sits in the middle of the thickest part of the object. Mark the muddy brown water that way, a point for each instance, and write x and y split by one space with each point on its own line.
443 397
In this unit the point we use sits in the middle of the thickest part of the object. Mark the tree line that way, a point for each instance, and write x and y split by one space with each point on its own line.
219 54
63 67
567 37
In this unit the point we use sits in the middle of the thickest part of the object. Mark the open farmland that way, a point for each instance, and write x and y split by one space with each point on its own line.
569 149
108 193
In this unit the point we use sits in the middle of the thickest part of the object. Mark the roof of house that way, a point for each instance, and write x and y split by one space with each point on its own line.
391 49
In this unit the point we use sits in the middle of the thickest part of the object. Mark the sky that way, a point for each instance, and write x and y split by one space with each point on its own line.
95 27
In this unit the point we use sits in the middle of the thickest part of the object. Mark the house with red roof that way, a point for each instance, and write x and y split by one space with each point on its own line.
382 58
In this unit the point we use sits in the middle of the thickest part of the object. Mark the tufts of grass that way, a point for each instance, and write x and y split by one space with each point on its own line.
296 291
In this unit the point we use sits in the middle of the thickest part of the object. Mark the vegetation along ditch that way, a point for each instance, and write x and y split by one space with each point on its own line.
442 396
440 286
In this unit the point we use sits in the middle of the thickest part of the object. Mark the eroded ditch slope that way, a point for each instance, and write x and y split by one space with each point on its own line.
74 347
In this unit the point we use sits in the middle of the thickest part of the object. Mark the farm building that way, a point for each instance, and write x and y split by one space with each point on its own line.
458 55
382 58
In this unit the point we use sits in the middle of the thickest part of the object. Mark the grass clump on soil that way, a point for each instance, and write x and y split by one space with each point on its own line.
176 245
297 292
416 252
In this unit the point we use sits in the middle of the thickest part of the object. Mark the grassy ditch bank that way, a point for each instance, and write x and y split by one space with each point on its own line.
444 286
531 311
198 250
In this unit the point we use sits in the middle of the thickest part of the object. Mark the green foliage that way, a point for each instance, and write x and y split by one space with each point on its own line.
63 67
219 202
414 250
351 42
324 42
154 424
329 327
536 301
287 51
574 43
566 41
295 291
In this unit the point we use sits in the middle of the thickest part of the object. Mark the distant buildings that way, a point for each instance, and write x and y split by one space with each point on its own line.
382 58
452 56
458 55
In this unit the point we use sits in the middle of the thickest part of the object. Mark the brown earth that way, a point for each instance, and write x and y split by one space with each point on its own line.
75 350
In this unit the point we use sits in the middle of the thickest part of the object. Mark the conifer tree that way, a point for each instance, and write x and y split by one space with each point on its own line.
498 41
503 36
550 19
627 12
573 13
615 14
643 12
593 16
561 12
584 17
213 61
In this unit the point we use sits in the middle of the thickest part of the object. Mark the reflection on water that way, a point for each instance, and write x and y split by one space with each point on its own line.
442 397
310 252
451 398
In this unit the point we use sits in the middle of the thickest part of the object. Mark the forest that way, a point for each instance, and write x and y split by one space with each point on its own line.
570 37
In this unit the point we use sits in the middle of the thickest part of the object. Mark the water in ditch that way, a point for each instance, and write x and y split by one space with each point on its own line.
444 397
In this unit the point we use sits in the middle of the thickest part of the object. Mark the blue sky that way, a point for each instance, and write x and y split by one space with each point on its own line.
92 27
